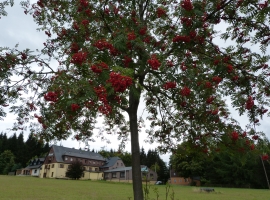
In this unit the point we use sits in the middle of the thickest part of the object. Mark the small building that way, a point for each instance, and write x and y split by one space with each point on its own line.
124 174
33 169
176 179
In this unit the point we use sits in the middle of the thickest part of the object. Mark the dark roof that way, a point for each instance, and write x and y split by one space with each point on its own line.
119 169
33 163
110 162
60 151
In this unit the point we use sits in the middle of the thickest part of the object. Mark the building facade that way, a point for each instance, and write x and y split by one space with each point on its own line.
60 158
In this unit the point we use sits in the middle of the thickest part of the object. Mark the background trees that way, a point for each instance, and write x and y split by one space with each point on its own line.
229 167
6 162
23 151
113 55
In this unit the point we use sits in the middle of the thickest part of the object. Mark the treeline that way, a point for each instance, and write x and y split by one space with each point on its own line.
225 167
15 153
151 159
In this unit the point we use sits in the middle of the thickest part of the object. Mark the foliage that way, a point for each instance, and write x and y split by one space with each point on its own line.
6 162
226 167
113 55
75 170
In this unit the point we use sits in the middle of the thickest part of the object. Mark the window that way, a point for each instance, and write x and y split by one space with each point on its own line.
96 169
35 171
52 165
151 175
84 168
61 165
71 159
66 158
82 174
114 174
175 180
85 161
94 162
49 166
52 174
122 174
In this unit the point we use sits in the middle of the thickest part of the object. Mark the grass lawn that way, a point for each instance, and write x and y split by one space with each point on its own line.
30 188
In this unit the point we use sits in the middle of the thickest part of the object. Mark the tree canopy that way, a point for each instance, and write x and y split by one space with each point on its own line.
112 55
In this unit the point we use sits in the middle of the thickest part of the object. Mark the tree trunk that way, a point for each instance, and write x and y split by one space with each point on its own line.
135 148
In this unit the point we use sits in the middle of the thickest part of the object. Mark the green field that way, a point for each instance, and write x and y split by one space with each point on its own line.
30 188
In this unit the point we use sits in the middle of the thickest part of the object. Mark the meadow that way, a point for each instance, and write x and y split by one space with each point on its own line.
31 188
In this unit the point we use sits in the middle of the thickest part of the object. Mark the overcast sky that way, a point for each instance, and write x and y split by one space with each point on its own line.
20 28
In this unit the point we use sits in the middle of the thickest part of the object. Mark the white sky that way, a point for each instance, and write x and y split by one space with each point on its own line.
20 28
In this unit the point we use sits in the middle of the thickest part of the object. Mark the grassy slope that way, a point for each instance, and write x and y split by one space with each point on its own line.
30 188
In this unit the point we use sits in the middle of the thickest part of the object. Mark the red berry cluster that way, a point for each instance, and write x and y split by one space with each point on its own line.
181 38
103 45
170 63
83 3
161 12
79 58
142 31
252 147
153 62
32 106
131 36
187 5
210 100
234 136
208 84
98 68
24 56
51 96
217 79
185 91
127 60
187 21
229 68
74 107
249 103
102 96
265 157
214 112
169 85
119 82
85 22
39 118
74 47
192 34
255 137
40 3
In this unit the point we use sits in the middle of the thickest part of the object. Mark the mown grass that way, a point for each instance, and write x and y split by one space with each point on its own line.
30 188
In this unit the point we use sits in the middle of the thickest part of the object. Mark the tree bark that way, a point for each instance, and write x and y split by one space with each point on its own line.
135 147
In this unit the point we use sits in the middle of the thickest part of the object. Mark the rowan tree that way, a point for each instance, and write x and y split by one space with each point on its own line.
113 55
